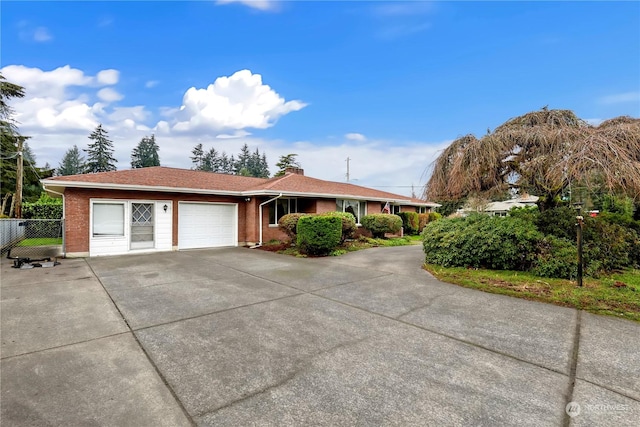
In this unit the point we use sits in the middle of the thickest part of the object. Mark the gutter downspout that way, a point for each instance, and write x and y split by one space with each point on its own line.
64 246
260 215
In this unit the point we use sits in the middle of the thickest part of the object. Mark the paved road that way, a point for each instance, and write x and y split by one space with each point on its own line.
244 337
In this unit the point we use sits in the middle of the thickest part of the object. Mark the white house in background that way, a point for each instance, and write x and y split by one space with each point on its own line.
501 208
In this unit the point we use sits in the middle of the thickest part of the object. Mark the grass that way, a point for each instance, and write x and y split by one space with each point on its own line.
41 241
617 294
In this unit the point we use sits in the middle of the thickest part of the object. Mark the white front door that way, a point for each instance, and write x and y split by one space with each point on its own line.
142 225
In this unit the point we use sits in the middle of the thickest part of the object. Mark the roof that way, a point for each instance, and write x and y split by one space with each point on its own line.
161 178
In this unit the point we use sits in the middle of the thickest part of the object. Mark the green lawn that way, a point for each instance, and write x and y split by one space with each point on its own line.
41 241
617 294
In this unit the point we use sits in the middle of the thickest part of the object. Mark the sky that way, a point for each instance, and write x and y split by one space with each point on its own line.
386 84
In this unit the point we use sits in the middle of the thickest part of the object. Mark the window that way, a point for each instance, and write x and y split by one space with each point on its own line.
281 207
357 208
422 209
395 209
108 219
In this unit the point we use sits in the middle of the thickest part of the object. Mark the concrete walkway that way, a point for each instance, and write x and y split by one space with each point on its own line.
244 337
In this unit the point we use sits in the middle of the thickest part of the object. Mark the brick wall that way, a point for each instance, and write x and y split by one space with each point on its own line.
77 221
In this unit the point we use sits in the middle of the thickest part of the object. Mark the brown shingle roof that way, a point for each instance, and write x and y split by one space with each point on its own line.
165 179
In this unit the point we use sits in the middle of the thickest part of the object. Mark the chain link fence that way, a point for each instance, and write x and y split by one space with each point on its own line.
32 239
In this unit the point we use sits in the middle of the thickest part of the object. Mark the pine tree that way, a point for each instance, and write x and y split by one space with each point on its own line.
198 157
146 153
72 163
100 152
243 160
286 161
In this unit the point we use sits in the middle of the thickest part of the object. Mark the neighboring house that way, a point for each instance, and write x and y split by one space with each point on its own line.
501 208
163 209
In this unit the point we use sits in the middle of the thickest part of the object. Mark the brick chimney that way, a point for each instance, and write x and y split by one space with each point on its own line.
295 170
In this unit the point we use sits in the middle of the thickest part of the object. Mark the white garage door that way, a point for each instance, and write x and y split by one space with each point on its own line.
207 225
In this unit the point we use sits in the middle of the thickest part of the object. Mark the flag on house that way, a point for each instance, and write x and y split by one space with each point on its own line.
387 208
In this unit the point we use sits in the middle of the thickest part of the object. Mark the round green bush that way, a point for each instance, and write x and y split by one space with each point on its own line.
349 226
319 234
410 222
501 243
379 224
288 224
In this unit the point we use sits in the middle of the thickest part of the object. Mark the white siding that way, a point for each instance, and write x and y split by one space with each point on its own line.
119 245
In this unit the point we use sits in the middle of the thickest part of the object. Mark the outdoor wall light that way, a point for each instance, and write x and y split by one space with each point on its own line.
165 207
247 199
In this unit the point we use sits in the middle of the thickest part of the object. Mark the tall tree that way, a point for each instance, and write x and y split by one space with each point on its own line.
542 153
286 161
242 162
72 163
198 157
145 154
100 152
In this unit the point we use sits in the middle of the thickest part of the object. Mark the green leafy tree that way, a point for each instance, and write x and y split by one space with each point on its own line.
286 161
145 154
100 152
72 163
9 135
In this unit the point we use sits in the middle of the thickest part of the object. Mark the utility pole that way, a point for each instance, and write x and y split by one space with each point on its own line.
19 178
348 159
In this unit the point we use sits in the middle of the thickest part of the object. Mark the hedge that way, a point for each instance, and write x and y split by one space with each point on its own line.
379 224
45 208
318 234
349 226
288 223
410 222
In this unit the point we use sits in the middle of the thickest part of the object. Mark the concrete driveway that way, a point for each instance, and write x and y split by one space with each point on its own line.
244 337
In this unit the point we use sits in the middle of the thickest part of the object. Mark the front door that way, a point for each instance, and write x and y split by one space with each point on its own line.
142 225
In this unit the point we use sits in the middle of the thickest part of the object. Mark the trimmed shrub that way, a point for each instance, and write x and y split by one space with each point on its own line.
349 226
410 222
529 213
319 234
379 224
434 216
423 220
501 243
556 258
44 208
289 223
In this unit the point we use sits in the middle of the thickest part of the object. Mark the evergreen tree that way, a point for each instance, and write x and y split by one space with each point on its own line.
72 163
198 157
145 154
286 161
8 135
211 162
100 152
243 160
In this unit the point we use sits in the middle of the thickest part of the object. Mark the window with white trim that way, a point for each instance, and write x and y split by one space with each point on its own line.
281 207
357 208
395 209
108 220
422 209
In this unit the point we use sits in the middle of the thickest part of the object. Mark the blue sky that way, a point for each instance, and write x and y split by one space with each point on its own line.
388 84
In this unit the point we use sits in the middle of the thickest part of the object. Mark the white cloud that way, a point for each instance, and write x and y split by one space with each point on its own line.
355 137
232 103
41 34
620 98
254 4
108 77
151 83
108 94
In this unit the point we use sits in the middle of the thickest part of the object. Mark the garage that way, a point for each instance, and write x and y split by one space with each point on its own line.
207 225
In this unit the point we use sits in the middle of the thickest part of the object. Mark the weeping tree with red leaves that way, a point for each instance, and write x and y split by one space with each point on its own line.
543 153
